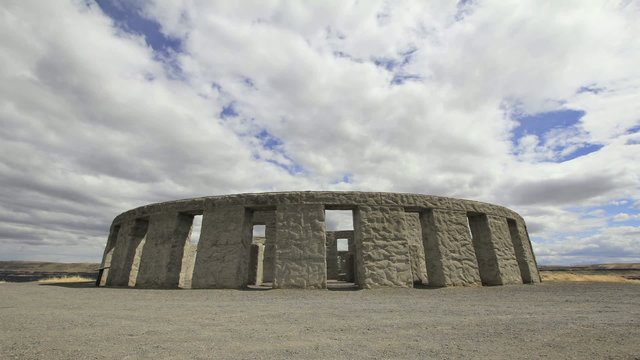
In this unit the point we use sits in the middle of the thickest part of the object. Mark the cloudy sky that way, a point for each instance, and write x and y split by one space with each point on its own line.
111 105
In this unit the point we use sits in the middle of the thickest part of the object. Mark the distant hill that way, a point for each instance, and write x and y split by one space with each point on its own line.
614 266
39 266
21 271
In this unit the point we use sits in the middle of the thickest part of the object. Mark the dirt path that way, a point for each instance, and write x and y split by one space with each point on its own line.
552 320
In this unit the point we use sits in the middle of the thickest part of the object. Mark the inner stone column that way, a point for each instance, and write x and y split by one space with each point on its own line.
222 259
351 274
130 235
494 250
332 256
416 248
268 219
524 253
255 264
300 247
382 250
449 252
161 258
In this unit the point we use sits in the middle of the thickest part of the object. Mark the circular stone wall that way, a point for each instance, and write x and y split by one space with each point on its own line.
397 240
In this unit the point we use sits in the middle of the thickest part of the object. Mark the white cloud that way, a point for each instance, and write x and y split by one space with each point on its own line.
626 217
94 122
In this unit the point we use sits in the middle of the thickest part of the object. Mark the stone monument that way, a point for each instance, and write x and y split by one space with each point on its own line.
397 240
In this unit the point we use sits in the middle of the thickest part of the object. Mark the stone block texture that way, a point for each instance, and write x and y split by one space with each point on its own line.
161 257
398 240
524 254
131 234
450 256
224 248
382 248
494 250
300 247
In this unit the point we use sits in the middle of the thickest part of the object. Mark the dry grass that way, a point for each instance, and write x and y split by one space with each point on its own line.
569 276
66 279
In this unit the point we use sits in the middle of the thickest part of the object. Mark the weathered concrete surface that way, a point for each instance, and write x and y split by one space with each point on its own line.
255 264
332 256
108 253
135 265
494 250
524 254
163 249
390 249
382 249
450 257
188 261
129 237
300 247
416 248
223 249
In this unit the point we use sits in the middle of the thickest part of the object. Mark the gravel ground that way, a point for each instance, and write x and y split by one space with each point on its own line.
550 320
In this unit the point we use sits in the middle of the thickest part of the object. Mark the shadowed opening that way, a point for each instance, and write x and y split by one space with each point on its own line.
190 252
340 249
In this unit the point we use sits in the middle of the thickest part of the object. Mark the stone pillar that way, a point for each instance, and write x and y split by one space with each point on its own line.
255 264
351 260
107 255
131 233
223 250
332 256
382 250
449 252
300 247
268 219
161 258
494 250
524 253
188 260
416 248
135 265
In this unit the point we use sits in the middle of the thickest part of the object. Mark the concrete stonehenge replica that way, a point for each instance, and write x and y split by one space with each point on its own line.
397 240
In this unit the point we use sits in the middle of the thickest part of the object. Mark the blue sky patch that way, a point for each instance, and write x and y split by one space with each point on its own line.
548 125
541 123
591 89
582 151
399 79
126 16
633 130
268 141
228 111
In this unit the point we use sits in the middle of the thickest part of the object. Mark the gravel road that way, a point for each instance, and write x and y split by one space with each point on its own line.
550 320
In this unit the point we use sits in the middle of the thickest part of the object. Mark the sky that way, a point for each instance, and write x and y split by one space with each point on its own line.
110 105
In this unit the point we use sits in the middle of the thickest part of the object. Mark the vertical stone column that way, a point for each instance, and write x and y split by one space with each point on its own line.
255 264
107 255
494 250
188 260
416 248
450 256
351 260
161 258
524 253
382 250
130 235
300 247
223 250
268 219
332 256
